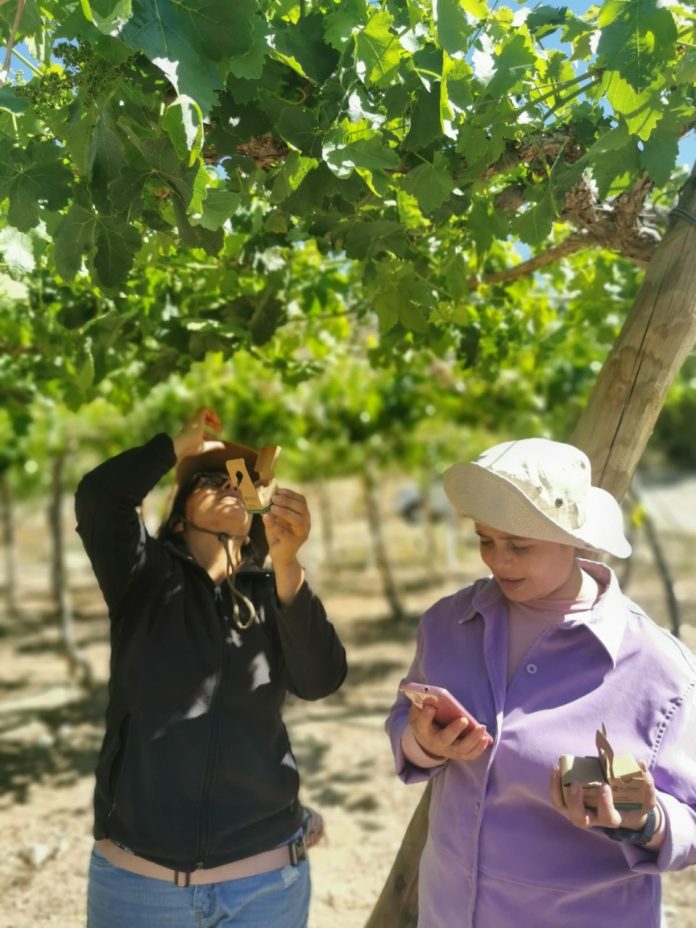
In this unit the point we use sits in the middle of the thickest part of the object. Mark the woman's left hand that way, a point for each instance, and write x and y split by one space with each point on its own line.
287 526
606 815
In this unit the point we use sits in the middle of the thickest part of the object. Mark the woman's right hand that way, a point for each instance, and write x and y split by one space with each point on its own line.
195 437
449 742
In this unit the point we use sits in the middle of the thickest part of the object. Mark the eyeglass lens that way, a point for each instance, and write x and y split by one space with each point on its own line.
214 479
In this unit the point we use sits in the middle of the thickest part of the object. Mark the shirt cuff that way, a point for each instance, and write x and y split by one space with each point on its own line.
415 753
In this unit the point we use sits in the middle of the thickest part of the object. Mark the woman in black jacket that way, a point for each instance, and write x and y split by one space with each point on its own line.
197 818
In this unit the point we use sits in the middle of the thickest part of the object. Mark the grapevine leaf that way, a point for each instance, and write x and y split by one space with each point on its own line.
250 59
544 20
378 52
265 320
11 101
426 127
219 204
31 177
659 154
74 238
31 17
686 69
641 111
368 239
398 294
109 16
457 277
196 236
452 26
304 43
534 224
126 190
291 176
297 128
410 215
477 8
457 83
195 46
353 146
638 36
614 169
431 184
165 167
116 245
343 21
511 64
78 138
106 160
183 122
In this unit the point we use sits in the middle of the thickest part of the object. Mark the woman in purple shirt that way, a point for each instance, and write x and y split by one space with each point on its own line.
542 654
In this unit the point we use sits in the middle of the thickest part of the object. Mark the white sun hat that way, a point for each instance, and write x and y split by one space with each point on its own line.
537 488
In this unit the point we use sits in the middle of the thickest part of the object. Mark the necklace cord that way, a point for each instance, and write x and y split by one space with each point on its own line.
230 574
237 595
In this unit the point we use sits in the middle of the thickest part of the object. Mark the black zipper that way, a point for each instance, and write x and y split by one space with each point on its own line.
204 813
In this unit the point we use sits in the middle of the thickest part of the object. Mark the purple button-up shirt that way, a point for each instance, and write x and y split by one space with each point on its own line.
497 852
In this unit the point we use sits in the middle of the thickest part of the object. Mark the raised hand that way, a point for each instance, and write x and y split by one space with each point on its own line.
287 526
196 435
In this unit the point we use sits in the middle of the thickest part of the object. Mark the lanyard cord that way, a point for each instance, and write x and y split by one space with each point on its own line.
230 573
236 594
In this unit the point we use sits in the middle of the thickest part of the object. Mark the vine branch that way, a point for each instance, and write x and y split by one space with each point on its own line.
568 247
10 42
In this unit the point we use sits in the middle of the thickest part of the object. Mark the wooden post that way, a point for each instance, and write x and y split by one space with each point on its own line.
613 430
397 906
77 664
659 332
7 541
374 520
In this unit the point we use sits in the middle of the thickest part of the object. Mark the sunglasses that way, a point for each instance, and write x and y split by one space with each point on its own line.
214 479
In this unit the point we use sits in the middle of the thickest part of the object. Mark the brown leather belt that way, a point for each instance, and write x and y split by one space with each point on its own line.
275 859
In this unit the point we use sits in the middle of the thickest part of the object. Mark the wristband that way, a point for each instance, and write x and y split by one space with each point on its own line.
638 838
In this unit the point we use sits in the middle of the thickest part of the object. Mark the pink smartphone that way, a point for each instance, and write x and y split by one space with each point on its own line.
448 708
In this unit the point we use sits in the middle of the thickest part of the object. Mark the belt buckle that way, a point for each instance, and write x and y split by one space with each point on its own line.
297 850
186 874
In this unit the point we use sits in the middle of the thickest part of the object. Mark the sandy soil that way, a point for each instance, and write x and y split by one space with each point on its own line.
50 732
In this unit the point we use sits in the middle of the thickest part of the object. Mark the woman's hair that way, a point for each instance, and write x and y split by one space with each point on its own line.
254 550
177 514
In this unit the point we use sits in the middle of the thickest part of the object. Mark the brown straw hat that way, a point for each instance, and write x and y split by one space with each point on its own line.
214 460
537 488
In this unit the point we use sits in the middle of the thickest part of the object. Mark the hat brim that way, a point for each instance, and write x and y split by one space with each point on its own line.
494 500
215 460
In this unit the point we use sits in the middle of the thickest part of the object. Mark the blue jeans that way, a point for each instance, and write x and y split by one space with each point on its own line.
119 899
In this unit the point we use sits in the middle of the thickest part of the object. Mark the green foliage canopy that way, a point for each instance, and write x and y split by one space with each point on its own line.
188 176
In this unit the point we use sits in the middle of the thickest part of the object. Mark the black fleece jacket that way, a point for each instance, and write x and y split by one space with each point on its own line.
196 767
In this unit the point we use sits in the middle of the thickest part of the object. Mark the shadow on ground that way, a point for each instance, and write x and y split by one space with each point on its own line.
57 745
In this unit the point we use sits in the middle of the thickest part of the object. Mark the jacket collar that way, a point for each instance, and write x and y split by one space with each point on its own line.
606 620
180 550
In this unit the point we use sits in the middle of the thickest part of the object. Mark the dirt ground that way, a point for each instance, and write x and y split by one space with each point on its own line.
50 730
